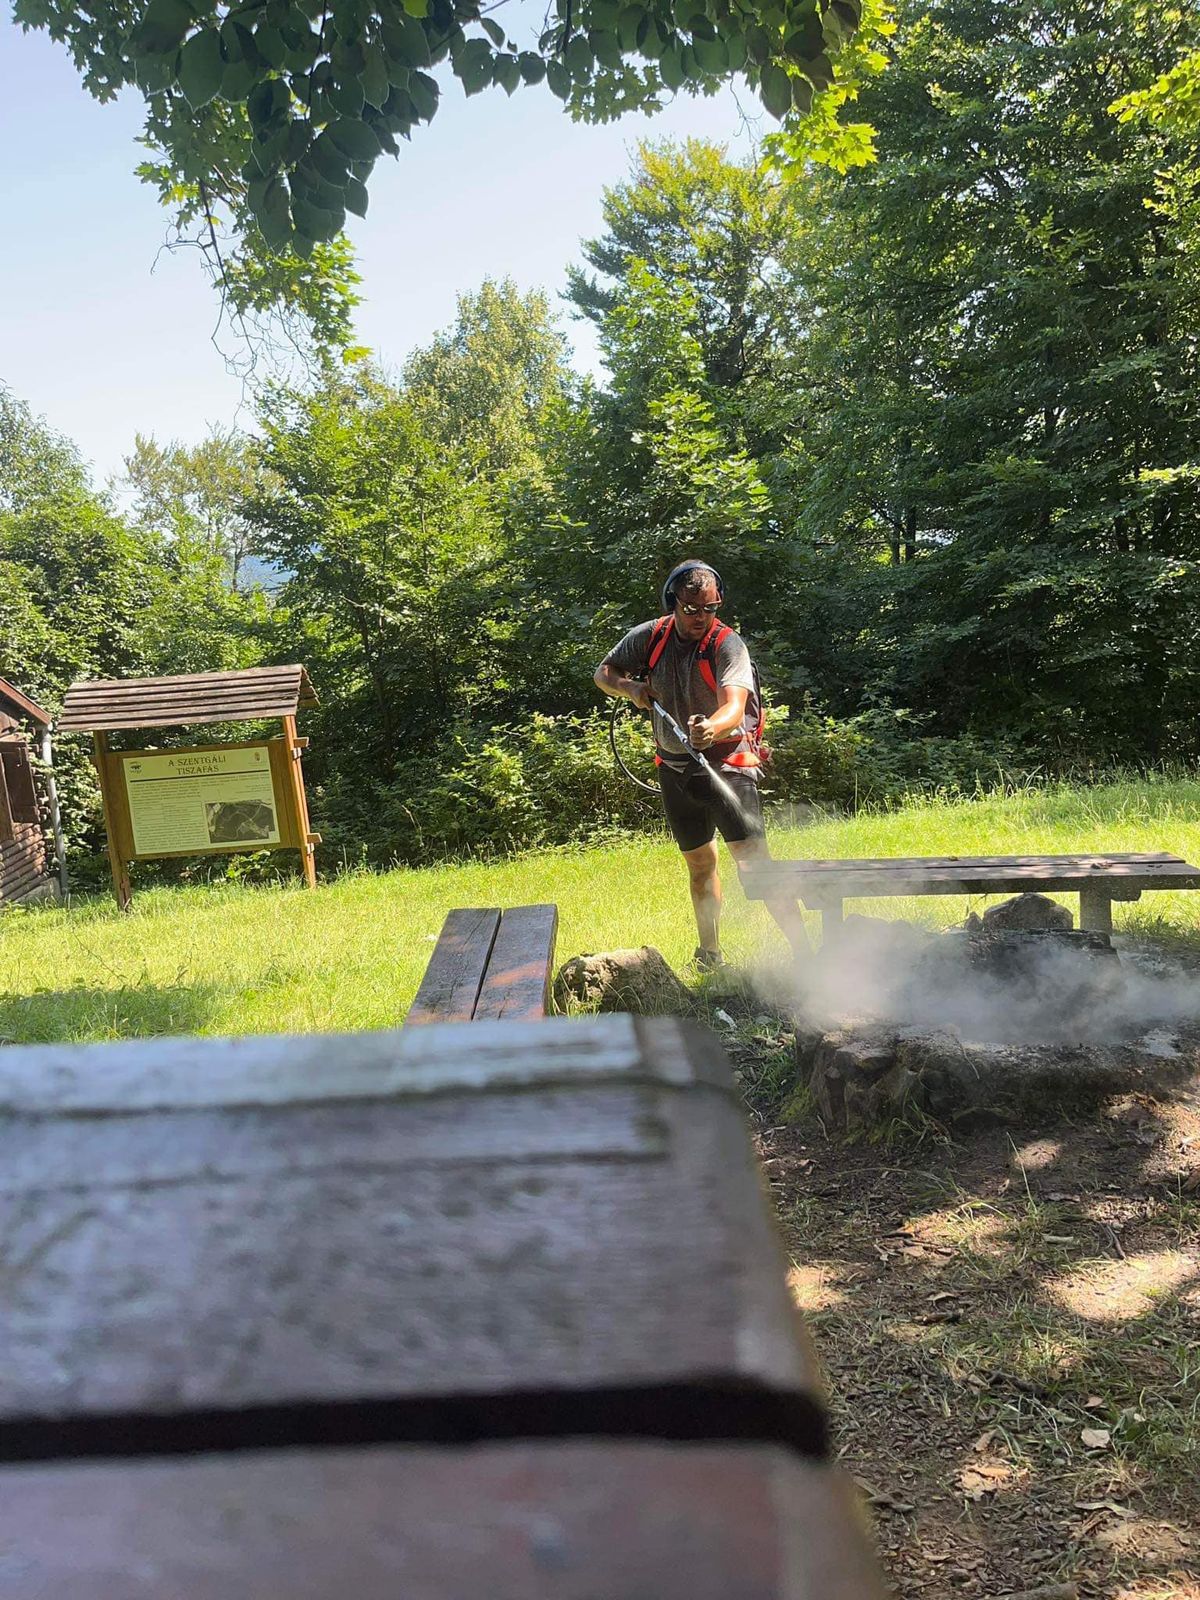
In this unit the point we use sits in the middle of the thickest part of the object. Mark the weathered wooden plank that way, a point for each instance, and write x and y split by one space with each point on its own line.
183 719
27 847
275 694
490 1310
8 832
16 894
836 864
260 1071
25 834
122 694
25 870
167 684
561 1521
40 889
158 713
22 703
516 985
25 852
353 1232
170 702
456 967
792 877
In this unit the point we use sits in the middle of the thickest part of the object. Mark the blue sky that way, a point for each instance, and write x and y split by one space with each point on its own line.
105 335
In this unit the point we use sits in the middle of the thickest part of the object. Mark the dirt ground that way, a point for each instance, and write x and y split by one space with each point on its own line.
1009 1321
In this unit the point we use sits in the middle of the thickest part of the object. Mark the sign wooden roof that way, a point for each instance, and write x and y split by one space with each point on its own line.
22 703
110 703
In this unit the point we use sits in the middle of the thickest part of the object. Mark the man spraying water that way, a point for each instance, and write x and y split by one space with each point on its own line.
694 675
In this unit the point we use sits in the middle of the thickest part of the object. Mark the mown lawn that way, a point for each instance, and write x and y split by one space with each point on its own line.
234 959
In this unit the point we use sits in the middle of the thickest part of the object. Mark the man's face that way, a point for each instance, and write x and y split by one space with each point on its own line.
696 623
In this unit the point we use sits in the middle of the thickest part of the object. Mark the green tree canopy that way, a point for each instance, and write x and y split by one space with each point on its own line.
267 116
198 493
380 530
486 385
1004 326
35 464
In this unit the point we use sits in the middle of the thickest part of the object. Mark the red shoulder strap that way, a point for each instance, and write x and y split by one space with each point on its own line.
709 646
658 640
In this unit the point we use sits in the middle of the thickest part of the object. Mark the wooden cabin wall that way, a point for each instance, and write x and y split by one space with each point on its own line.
24 866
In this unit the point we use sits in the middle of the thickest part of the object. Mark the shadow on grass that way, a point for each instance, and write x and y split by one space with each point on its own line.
84 1014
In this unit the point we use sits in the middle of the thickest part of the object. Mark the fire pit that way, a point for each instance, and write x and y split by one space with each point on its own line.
1010 1013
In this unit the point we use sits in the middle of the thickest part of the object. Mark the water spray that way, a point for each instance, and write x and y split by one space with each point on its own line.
689 749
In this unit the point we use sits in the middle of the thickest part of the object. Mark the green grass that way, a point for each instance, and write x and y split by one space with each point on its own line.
225 958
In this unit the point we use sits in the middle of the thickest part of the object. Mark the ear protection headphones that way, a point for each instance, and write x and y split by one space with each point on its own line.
681 572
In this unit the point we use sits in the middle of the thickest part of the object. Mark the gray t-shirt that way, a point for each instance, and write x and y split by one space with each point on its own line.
676 683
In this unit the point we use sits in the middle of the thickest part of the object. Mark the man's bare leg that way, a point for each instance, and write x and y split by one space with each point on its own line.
784 909
705 884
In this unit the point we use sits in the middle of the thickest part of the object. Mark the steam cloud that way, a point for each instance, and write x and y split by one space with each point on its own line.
1023 989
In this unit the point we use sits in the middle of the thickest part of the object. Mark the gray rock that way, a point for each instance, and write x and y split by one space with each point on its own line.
1028 913
622 980
859 1079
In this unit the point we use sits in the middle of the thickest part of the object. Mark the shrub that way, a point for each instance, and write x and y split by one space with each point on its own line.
875 758
550 781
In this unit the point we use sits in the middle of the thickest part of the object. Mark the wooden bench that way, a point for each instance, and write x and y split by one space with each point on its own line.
489 966
824 886
491 1311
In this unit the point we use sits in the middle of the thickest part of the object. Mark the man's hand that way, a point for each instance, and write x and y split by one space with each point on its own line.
701 732
615 683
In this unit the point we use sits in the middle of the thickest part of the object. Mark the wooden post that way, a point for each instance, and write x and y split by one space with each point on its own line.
308 840
60 845
122 887
831 920
1095 908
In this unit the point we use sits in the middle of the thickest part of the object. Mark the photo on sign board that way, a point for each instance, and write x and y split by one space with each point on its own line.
237 821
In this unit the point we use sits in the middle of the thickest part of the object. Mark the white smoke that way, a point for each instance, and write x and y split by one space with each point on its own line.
1040 990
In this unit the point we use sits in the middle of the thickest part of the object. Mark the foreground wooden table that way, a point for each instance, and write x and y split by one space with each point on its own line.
492 1310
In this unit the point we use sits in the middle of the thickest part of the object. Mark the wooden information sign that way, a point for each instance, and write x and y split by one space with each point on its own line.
212 799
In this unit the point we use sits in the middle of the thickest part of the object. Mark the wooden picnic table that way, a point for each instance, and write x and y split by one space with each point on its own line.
446 1311
824 886
489 965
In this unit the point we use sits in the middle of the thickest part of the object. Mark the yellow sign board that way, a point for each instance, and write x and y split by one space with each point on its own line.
180 801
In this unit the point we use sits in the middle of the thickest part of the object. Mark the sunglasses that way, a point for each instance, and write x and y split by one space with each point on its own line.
695 611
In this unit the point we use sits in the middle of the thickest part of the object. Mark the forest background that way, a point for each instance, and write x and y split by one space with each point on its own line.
934 419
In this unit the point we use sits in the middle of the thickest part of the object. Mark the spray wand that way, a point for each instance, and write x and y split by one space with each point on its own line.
684 738
680 734
689 748
715 778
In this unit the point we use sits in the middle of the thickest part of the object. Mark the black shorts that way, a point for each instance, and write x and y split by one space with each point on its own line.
696 808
